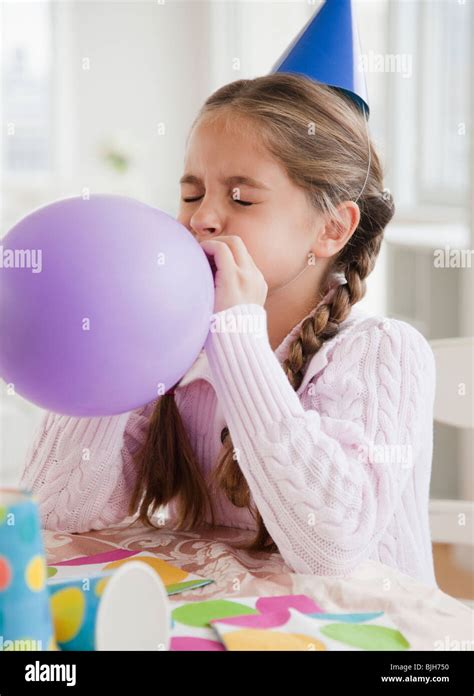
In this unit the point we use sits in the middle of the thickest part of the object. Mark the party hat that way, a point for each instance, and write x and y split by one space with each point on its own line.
327 49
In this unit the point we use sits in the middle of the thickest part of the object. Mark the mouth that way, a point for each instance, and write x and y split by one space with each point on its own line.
212 265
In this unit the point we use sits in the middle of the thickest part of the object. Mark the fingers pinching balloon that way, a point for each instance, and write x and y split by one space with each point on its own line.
104 304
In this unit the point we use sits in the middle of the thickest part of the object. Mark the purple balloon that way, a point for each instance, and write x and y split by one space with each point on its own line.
109 302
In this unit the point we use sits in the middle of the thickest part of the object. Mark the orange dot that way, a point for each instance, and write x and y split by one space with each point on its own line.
5 573
258 639
169 574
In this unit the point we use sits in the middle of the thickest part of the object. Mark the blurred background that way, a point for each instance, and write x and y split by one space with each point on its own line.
98 96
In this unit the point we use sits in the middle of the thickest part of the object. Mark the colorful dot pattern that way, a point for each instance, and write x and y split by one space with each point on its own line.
175 579
307 632
74 606
24 599
288 622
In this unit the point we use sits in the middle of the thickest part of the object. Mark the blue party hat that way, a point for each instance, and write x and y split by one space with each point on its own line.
327 49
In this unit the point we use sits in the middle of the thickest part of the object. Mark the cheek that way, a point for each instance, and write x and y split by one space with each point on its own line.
182 218
274 267
272 254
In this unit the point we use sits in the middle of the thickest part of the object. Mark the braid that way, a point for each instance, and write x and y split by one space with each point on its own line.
330 169
356 260
315 330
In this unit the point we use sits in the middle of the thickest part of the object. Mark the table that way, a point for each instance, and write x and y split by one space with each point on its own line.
429 618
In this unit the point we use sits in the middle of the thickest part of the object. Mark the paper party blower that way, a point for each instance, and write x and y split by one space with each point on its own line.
105 303
327 50
25 619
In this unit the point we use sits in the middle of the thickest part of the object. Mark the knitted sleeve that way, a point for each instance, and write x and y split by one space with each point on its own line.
326 480
81 469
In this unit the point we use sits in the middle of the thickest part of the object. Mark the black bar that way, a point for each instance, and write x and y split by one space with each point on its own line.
298 673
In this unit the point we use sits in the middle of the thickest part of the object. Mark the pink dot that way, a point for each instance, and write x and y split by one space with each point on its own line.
302 603
269 620
189 643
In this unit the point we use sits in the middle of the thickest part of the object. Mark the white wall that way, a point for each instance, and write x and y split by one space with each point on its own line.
149 63
154 63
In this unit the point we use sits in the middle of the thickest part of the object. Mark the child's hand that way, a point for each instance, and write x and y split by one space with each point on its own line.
237 278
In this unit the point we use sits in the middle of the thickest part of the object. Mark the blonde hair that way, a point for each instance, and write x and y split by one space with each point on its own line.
320 138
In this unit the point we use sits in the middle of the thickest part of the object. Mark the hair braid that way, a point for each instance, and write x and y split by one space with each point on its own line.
356 263
330 168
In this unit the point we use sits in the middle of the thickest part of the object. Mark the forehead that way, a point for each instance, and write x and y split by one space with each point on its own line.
226 146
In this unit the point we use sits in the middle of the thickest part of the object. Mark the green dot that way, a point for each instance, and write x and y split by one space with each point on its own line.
51 571
3 514
366 637
199 614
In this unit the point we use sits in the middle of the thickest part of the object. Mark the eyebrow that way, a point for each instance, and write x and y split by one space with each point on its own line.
236 179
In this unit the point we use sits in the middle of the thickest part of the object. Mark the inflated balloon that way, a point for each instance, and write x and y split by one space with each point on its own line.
104 303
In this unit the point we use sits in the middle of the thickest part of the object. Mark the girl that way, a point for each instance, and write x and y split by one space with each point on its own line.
303 418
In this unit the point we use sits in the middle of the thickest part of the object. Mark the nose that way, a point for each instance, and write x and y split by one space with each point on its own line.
203 233
205 223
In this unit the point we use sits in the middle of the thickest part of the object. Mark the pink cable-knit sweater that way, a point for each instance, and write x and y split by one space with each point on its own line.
339 470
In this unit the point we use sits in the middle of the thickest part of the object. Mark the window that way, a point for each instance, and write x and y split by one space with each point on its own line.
26 88
444 117
429 130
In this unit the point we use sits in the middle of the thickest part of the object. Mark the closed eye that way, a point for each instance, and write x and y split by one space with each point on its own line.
236 200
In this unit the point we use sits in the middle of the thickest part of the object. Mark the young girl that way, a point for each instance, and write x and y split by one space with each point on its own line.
303 418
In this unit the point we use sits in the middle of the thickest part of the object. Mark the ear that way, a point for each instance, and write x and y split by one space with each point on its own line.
335 233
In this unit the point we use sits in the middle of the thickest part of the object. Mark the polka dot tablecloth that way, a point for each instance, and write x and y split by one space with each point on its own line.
424 615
